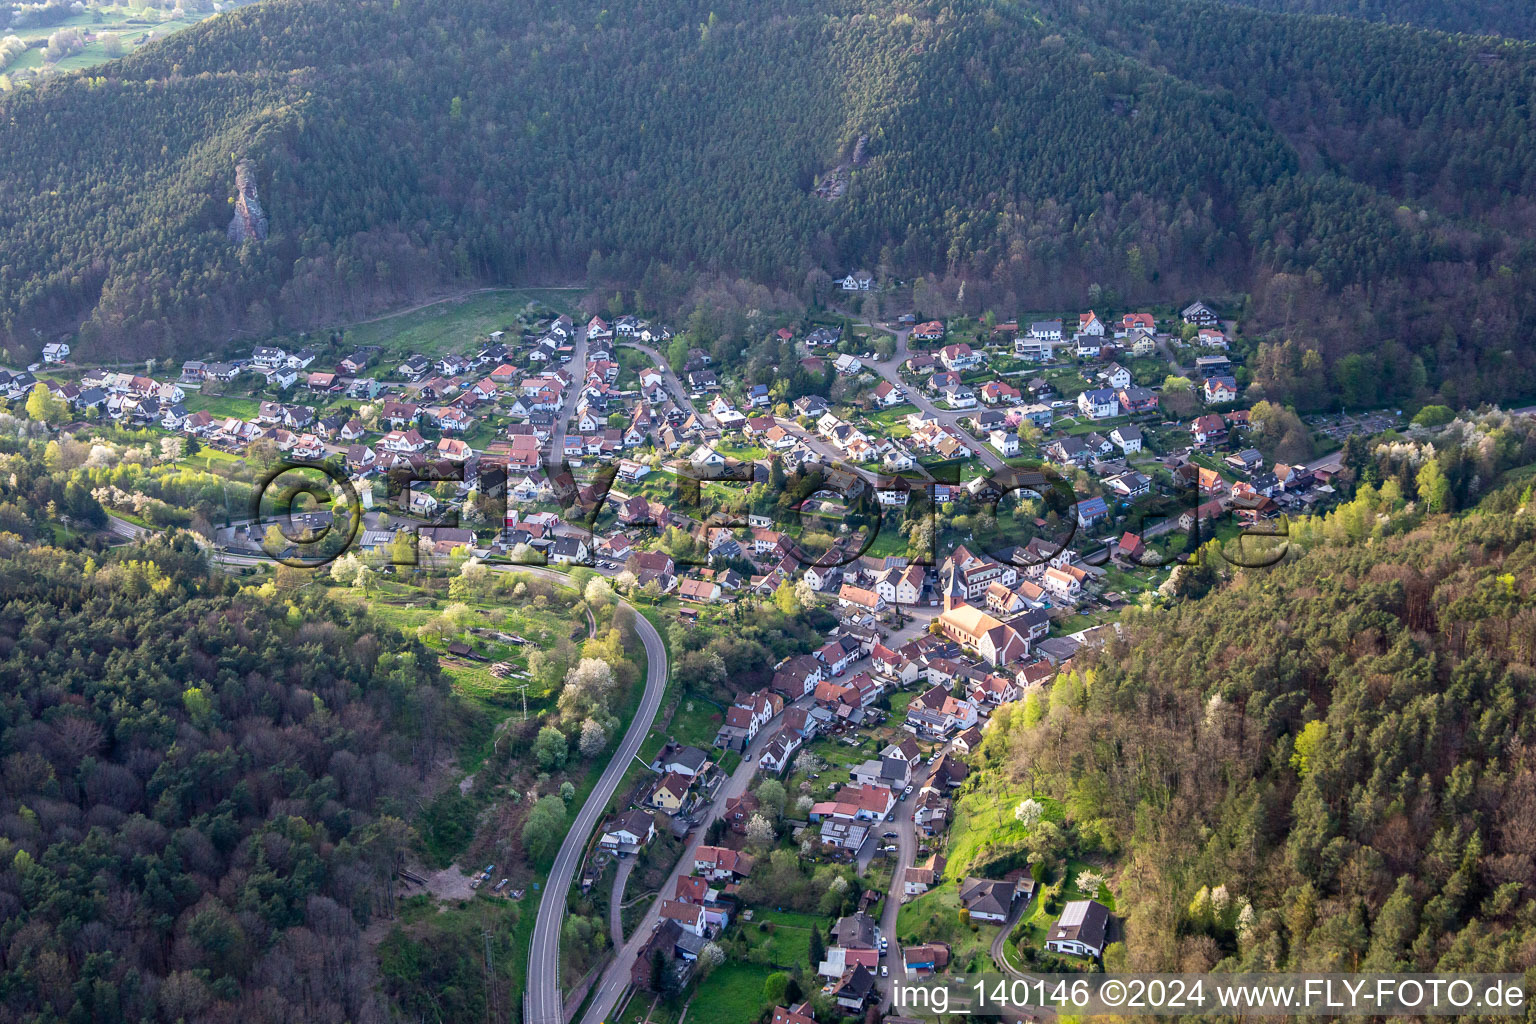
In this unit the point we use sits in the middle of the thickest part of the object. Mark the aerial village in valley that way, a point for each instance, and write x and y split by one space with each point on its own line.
854 483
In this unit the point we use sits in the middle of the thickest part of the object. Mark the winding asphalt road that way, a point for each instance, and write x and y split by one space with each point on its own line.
542 1001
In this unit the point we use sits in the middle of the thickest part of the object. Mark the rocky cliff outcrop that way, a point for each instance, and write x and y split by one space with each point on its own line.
250 221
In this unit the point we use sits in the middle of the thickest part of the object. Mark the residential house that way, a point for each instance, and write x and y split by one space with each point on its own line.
1134 400
886 395
1138 323
1128 485
937 714
1127 437
855 989
958 358
988 900
720 864
627 832
688 916
1061 584
403 442
1213 366
999 393
671 793
797 677
860 599
924 959
781 751
900 586
1201 315
1099 403
933 330
684 760
1208 429
919 878
1219 390
1081 930
1091 512
1115 376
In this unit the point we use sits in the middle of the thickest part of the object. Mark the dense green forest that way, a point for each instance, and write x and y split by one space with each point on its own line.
1330 765
1479 17
201 792
1366 185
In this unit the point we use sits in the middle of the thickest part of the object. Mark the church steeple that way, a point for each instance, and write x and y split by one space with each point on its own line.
954 590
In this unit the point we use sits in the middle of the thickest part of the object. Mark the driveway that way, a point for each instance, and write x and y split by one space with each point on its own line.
621 873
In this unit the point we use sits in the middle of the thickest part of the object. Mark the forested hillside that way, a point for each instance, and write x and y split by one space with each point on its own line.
1364 183
1479 17
1330 765
201 792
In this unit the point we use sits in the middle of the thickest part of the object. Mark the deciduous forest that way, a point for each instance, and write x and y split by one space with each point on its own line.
1327 766
202 792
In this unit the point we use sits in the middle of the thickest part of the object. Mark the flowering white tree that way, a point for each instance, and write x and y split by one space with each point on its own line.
759 830
593 738
1029 811
599 593
1089 882
1245 921
588 686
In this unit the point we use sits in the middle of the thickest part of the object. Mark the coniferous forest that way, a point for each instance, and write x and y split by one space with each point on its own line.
1356 188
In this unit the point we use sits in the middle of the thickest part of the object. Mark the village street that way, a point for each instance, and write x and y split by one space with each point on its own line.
890 370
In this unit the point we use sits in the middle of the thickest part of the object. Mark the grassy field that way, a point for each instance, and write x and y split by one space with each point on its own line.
695 722
455 324
984 828
731 995
222 405
786 940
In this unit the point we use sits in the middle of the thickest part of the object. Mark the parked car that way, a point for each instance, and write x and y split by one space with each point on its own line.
885 971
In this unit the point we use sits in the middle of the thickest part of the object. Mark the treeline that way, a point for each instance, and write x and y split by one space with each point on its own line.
1330 765
1362 182
201 792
